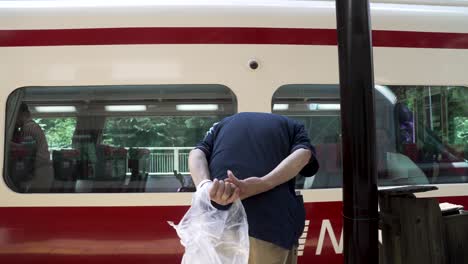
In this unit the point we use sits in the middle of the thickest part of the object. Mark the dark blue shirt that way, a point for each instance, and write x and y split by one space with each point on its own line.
253 144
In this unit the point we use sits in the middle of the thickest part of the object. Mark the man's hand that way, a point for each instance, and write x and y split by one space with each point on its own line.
248 187
223 193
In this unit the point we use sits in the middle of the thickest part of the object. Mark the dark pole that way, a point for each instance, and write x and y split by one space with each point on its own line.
360 215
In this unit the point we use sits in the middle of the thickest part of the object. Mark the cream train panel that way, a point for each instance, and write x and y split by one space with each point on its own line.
222 64
172 64
407 66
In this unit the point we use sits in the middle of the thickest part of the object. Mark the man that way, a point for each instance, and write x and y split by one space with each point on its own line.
29 132
255 157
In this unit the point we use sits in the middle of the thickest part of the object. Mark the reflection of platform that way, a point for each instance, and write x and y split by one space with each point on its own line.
164 183
155 183
406 190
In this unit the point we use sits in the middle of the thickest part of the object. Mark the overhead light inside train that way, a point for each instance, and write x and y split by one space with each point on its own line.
125 108
324 107
280 107
197 107
55 109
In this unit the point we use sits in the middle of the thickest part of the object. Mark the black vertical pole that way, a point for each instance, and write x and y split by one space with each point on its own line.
360 215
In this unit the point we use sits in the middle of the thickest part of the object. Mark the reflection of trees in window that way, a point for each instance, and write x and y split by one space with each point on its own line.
461 130
455 104
458 115
440 116
165 131
321 129
58 131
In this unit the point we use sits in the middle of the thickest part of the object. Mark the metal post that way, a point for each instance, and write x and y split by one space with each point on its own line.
360 214
176 159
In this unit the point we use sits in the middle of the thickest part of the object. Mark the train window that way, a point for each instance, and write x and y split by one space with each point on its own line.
108 138
318 108
422 132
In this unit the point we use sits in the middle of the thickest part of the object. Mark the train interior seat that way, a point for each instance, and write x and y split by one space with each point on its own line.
329 174
66 169
22 159
138 164
111 168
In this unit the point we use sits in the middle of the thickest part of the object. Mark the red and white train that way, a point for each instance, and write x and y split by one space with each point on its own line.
123 89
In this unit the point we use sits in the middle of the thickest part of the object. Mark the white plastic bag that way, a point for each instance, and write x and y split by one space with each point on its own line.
212 236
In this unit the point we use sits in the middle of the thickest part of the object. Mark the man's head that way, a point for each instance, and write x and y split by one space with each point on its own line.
23 114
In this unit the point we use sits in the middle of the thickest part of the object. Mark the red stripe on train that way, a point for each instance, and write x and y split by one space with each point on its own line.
139 234
222 35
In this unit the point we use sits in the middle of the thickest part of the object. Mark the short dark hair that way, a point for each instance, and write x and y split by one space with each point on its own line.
24 108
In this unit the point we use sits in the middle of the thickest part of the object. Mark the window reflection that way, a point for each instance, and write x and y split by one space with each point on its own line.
111 138
421 132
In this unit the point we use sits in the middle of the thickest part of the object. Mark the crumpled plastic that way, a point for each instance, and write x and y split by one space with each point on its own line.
212 236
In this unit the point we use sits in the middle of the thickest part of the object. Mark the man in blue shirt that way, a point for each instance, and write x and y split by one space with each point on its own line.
255 157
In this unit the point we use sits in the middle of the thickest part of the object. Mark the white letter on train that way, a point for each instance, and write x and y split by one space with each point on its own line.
326 227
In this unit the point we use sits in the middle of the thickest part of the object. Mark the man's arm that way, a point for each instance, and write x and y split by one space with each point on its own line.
288 168
221 192
198 166
285 171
